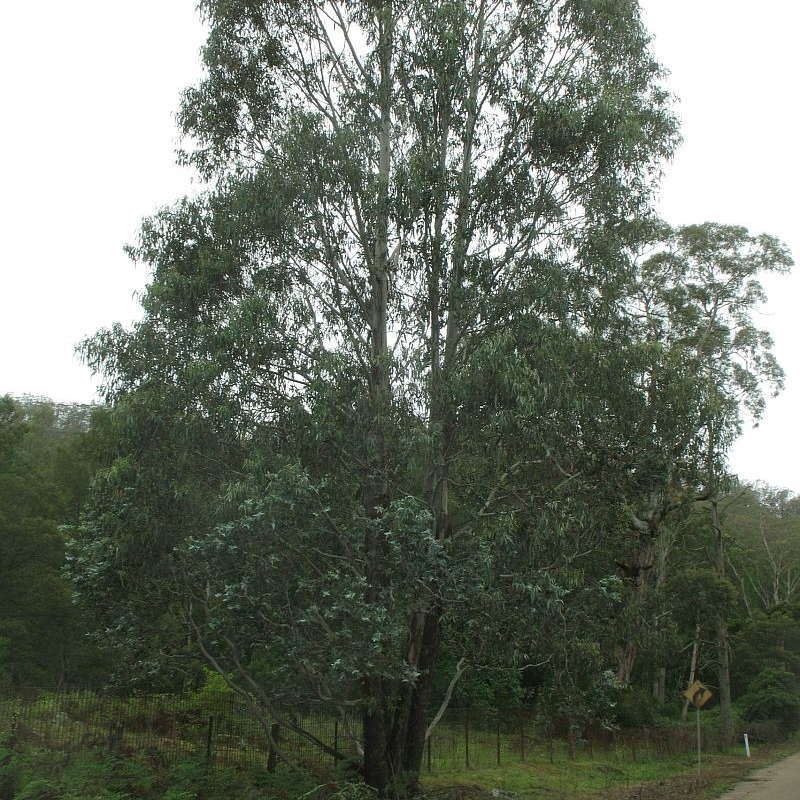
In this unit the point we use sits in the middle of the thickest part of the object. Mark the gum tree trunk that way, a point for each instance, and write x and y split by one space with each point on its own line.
723 641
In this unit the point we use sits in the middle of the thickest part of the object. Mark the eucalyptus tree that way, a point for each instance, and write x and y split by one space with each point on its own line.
41 633
765 557
161 468
706 364
391 299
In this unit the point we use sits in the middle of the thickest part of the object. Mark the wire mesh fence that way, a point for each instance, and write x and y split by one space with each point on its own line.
480 739
227 731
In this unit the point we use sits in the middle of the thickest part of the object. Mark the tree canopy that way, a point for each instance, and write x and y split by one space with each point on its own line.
393 362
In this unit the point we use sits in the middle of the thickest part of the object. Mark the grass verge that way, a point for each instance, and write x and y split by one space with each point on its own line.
674 778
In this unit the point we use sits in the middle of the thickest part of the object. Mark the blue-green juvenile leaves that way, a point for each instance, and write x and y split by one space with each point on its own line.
282 579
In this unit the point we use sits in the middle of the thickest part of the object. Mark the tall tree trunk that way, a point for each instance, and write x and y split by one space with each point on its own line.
724 678
660 677
723 641
426 632
378 767
637 575
395 717
692 669
626 659
419 712
660 684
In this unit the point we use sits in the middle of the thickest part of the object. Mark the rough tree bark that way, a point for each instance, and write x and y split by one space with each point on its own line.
723 641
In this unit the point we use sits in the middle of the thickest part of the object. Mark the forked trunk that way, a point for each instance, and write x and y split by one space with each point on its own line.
395 725
636 573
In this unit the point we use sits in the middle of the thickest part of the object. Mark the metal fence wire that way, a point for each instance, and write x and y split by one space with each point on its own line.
227 731
224 729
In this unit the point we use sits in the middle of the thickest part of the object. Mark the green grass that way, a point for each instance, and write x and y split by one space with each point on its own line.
584 777
560 779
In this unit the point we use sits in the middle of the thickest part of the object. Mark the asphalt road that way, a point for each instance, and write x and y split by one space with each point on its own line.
780 781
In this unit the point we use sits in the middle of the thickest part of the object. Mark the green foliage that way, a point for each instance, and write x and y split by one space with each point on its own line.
637 708
42 775
695 595
498 686
214 686
764 549
772 695
702 364
766 640
392 393
291 541
140 505
594 699
44 469
288 783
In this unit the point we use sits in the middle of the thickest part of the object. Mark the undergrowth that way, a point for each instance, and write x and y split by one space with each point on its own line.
28 773
50 775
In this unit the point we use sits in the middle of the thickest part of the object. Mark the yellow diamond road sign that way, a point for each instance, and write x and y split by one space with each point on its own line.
698 694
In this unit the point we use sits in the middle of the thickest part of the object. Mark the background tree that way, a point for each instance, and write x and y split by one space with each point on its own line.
703 364
44 476
773 696
157 485
769 639
764 556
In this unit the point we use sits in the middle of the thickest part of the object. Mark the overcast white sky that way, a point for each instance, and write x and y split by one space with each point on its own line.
90 88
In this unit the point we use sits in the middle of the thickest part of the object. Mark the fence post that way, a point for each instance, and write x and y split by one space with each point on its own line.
209 738
466 738
116 730
498 738
429 753
521 718
272 758
335 741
